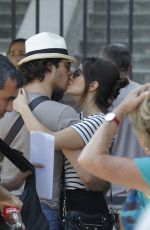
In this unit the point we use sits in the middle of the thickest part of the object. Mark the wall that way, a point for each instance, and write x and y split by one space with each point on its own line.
49 17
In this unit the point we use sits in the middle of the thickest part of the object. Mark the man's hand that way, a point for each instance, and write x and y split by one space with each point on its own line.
7 199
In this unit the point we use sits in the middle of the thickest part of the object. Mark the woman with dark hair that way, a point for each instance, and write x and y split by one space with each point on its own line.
94 85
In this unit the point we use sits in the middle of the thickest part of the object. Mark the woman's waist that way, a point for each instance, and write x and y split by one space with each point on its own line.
85 201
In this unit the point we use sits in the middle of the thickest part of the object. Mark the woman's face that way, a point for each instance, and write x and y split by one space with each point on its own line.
76 84
17 52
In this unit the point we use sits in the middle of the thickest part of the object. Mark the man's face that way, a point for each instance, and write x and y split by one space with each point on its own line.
61 75
7 95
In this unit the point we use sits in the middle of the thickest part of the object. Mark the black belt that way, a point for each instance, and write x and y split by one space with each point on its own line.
116 200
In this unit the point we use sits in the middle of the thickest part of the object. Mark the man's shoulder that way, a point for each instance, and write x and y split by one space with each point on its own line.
55 106
56 115
132 85
125 91
48 104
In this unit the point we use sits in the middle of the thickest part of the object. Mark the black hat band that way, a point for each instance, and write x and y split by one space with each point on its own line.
52 50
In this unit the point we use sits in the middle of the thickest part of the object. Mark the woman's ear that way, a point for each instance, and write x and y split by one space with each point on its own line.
93 86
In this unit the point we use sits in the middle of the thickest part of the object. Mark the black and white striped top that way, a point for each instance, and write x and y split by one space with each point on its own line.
86 128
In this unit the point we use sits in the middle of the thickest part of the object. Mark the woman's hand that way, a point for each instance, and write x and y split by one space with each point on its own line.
21 101
38 165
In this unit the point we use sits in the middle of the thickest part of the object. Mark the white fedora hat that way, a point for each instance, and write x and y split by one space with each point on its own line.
45 45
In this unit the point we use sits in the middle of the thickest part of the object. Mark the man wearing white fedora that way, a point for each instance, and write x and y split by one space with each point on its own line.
45 69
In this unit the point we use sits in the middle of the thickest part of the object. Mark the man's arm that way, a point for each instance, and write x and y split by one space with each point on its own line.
16 181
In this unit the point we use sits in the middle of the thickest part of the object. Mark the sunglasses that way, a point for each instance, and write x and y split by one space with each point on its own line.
67 65
77 73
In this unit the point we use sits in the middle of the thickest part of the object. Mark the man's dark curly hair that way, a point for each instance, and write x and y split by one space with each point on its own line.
36 69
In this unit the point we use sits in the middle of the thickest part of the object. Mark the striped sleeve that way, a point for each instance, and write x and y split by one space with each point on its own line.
87 127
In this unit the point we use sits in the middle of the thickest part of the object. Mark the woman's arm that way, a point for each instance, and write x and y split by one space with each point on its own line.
87 178
118 170
67 138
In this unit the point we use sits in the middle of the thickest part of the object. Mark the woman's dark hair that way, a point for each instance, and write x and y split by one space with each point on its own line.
22 40
36 69
108 78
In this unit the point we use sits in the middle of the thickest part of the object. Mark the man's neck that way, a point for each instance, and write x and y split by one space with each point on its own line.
39 87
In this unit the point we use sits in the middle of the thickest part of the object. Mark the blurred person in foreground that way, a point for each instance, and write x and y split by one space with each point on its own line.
132 173
119 55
